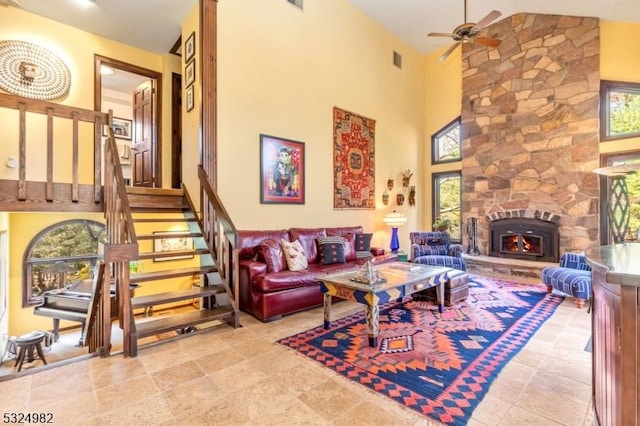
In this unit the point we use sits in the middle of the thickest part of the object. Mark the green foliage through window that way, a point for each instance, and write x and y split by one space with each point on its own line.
446 143
60 255
619 110
447 195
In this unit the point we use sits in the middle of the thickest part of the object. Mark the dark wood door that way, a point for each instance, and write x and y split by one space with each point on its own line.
144 136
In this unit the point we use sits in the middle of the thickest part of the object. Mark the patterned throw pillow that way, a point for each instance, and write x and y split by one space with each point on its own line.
294 253
330 250
363 246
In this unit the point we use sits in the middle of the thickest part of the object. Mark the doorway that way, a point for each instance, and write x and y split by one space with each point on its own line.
132 92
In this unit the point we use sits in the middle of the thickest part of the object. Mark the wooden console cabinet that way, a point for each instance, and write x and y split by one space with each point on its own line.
616 333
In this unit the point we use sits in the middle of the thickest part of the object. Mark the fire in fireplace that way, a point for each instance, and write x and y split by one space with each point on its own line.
524 238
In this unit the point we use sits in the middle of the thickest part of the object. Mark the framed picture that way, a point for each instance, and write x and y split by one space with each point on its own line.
189 98
170 243
190 47
122 128
190 73
281 170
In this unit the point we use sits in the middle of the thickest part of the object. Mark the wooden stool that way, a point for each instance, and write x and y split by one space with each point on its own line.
26 345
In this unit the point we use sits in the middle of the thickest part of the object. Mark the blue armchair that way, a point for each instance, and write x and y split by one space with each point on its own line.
435 249
572 277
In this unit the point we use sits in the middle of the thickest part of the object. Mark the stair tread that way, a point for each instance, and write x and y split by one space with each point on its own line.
176 234
161 254
142 190
175 296
161 220
173 322
172 273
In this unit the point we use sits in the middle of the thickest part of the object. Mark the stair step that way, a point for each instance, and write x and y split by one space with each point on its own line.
143 190
172 273
164 220
174 322
163 254
175 296
172 234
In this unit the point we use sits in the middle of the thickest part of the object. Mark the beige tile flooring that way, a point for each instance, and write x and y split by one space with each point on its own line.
240 377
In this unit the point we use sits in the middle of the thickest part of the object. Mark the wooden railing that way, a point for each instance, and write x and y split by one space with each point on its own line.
22 194
122 244
221 235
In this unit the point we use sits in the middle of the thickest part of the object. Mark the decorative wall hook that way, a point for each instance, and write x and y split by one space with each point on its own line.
390 184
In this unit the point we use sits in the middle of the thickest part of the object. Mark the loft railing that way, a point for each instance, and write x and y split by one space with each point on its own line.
60 147
221 236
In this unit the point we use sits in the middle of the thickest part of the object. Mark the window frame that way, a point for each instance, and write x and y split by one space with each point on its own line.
606 87
435 198
28 299
457 122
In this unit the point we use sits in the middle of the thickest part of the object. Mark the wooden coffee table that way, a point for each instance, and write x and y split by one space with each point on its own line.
402 279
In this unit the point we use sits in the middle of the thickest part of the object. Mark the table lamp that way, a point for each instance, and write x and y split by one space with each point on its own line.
394 220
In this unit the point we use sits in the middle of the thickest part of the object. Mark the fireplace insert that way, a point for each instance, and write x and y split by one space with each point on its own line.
524 238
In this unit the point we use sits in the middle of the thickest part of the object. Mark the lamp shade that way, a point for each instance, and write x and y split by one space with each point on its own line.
394 219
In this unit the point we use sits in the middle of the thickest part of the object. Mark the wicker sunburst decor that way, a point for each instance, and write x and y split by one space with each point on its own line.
32 71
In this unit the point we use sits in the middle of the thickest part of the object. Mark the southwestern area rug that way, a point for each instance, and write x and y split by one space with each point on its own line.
353 160
440 365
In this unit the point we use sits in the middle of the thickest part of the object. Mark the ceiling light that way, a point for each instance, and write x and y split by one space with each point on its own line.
106 70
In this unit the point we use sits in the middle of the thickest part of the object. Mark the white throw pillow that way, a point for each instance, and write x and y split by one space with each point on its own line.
294 253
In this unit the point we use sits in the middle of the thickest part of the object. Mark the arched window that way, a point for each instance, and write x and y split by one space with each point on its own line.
60 255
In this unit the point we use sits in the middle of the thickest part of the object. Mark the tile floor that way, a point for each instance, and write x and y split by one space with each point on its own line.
240 377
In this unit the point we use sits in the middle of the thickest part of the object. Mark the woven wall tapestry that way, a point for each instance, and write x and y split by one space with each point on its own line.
353 160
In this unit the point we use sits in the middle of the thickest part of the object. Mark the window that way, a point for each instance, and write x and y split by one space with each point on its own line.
446 144
632 185
60 255
619 110
446 200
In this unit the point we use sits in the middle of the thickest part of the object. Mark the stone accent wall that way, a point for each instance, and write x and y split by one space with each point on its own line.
530 125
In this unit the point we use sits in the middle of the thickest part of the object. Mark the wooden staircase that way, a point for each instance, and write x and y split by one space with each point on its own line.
161 215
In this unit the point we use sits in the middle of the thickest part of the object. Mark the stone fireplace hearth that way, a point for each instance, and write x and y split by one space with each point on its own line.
530 129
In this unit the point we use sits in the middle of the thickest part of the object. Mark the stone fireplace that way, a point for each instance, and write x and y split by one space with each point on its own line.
524 238
530 135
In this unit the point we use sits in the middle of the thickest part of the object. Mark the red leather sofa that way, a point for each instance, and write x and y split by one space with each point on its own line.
268 289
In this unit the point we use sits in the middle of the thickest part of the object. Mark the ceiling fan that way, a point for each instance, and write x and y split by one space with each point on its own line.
468 33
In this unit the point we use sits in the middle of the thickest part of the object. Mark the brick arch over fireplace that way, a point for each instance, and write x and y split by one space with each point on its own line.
530 126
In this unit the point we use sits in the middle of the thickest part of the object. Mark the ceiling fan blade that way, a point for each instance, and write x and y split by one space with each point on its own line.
486 41
491 16
440 35
446 54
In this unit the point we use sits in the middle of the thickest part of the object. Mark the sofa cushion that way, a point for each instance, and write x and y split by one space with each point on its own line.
283 280
294 254
271 252
349 233
307 237
330 250
363 246
249 241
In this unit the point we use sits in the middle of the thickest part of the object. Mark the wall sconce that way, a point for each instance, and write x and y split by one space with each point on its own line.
394 220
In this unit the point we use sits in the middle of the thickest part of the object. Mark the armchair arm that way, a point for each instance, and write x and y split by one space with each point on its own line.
574 261
455 250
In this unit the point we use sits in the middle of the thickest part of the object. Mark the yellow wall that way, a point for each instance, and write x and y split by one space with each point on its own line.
77 49
191 119
619 60
280 72
443 92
